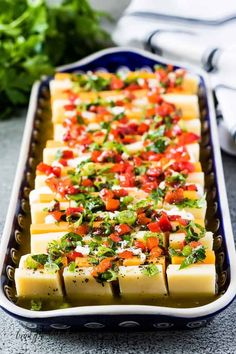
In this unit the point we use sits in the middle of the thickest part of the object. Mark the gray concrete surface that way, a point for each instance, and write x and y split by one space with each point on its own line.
218 337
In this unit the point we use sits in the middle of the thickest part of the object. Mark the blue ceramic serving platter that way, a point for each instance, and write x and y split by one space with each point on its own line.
16 231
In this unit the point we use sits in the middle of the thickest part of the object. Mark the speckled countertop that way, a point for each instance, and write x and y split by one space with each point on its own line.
218 337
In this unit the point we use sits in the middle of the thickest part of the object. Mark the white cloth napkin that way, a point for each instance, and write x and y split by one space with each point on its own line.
191 32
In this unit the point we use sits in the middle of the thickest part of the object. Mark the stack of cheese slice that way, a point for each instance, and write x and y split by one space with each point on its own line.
118 208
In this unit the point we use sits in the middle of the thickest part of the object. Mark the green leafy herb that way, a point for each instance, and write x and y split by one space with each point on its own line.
154 234
127 217
72 267
35 37
40 258
177 178
105 252
193 231
192 203
80 119
107 276
157 194
36 305
51 267
155 134
150 270
198 254
159 146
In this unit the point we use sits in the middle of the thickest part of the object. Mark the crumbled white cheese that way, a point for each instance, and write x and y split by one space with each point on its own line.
84 250
75 162
117 110
162 185
152 83
88 115
182 213
49 219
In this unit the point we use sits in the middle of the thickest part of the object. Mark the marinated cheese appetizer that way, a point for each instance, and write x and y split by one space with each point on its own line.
118 210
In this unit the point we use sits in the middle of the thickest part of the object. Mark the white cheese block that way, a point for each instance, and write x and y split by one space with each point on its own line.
57 86
39 242
80 284
192 126
58 132
133 283
196 178
188 104
40 181
37 284
38 214
49 154
190 84
194 151
195 280
35 194
139 235
198 213
175 239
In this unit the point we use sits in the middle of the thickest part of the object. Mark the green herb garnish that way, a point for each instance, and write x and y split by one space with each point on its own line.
150 270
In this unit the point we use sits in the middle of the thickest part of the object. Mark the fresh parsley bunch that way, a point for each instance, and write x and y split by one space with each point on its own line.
36 37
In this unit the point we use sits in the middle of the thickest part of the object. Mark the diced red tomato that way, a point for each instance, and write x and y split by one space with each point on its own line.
133 87
127 180
82 229
152 242
151 156
174 196
156 252
115 238
190 187
149 186
106 194
95 155
164 223
154 171
165 109
112 204
52 183
70 107
183 222
142 219
56 170
116 83
44 168
194 244
153 96
180 166
63 162
73 255
56 214
140 244
187 138
126 254
87 183
71 190
104 265
143 128
154 226
122 229
71 211
137 161
67 154
120 192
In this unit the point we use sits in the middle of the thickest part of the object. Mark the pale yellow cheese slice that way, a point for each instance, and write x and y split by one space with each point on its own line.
134 284
195 280
80 284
